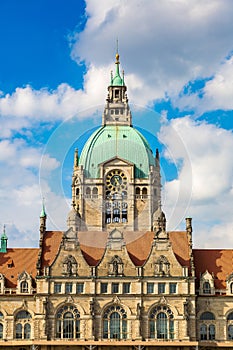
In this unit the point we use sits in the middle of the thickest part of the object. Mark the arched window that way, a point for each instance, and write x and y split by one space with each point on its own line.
207 328
1 330
124 215
68 323
116 215
137 192
161 323
1 325
230 332
24 287
211 332
77 192
88 192
144 192
95 192
115 323
231 288
22 325
206 288
207 316
230 326
203 332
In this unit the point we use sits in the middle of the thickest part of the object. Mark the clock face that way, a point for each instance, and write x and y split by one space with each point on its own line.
116 180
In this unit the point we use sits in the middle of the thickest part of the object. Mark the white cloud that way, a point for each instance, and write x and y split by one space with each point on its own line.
203 153
20 192
216 94
164 44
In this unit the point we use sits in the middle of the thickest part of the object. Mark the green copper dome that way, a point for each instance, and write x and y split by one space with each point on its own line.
122 141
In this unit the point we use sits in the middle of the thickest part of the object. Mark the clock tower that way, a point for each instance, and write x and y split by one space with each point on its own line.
116 179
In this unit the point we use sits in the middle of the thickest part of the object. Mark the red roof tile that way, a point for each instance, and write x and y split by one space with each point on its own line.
218 261
15 261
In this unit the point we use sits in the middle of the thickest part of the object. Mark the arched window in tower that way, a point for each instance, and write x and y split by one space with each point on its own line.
231 287
1 325
77 193
124 212
161 323
68 322
230 326
108 211
23 325
137 192
95 192
88 192
116 211
207 326
115 323
144 192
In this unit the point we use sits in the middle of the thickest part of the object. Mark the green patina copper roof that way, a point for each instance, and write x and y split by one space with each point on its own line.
120 141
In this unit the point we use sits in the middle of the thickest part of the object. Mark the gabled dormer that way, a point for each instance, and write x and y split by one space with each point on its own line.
207 283
116 261
24 283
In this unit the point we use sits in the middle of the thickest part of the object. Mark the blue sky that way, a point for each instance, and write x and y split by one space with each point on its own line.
55 63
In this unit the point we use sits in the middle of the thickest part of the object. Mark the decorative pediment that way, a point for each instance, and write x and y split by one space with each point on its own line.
24 276
116 240
116 161
207 283
116 300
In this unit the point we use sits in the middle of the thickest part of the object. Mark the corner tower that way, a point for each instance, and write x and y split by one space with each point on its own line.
116 180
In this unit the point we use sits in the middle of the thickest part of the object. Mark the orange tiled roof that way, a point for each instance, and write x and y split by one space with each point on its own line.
17 260
218 261
51 245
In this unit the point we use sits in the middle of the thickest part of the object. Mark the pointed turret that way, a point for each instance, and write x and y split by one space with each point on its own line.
4 241
117 111
76 158
43 218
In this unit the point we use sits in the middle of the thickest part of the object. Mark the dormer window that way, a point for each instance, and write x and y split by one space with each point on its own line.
206 288
207 283
24 283
24 287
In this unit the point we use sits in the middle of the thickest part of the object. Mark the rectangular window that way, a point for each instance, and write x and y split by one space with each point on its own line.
126 288
150 288
104 288
172 288
79 288
69 286
161 288
57 287
115 287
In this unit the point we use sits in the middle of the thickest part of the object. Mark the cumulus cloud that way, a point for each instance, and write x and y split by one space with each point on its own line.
204 159
20 191
215 95
163 44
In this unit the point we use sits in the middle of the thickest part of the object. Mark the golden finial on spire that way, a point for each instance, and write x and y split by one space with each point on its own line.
117 54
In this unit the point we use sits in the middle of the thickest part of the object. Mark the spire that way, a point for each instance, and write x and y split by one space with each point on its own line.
76 157
117 80
43 218
43 213
4 240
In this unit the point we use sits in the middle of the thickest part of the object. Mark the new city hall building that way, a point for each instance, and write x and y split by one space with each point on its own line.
116 278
